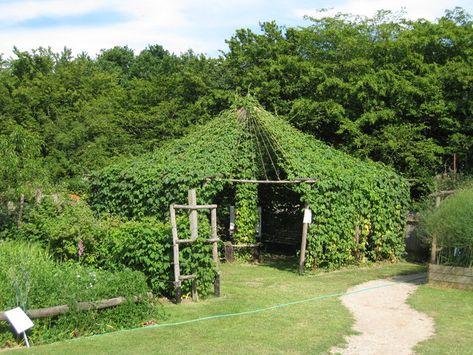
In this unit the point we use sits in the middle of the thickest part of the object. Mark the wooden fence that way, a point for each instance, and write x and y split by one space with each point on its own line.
451 276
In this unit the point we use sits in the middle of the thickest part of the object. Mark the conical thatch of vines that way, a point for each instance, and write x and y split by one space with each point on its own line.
359 207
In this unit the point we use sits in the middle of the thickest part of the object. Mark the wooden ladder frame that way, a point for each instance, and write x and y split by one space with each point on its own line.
178 278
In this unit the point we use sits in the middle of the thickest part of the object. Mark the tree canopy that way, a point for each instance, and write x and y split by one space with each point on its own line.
385 88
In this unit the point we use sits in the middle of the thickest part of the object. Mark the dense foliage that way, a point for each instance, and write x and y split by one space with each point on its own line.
452 225
350 195
29 278
393 90
72 233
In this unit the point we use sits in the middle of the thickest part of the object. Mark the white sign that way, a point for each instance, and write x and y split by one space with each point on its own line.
307 216
19 320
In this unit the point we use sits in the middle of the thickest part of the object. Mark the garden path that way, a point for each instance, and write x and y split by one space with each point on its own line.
387 325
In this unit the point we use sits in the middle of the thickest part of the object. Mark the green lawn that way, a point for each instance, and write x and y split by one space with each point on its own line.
311 327
452 311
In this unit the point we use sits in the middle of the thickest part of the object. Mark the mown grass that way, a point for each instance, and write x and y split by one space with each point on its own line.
311 327
452 311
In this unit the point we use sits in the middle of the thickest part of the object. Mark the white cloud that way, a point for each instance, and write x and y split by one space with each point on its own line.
18 11
150 22
178 25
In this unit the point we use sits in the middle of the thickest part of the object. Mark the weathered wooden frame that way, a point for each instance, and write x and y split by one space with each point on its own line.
178 278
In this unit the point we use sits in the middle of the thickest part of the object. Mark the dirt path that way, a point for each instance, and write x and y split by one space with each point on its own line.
387 325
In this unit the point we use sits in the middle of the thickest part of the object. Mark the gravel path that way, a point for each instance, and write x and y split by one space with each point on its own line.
387 325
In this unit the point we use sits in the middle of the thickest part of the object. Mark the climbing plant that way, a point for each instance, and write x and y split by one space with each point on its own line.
359 206
246 198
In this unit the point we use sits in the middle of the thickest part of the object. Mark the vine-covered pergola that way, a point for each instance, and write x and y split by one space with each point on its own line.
359 206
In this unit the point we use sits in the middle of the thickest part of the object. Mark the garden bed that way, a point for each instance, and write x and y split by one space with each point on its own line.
451 276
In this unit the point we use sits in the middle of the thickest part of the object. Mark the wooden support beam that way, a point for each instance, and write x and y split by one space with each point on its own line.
197 207
189 241
249 181
192 200
175 250
213 223
187 277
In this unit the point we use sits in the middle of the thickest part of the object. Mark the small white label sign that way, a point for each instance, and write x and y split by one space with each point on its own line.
19 320
307 216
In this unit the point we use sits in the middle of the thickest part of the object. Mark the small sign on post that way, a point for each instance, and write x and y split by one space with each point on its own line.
20 322
307 216
305 226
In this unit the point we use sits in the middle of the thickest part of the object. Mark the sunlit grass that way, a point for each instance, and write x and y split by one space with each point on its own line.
452 311
311 327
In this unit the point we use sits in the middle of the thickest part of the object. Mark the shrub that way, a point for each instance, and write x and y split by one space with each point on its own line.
62 226
144 245
452 224
29 278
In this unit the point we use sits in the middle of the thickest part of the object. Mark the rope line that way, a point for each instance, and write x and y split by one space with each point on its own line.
260 310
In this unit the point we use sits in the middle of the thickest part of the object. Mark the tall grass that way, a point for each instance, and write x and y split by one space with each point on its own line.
452 224
31 279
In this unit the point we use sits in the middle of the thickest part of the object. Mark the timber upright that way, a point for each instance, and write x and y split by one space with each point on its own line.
178 278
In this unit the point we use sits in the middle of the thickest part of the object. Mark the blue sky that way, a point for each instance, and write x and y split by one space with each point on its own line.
178 25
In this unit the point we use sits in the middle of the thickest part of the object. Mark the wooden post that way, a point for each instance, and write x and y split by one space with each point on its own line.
433 251
305 227
192 199
231 227
454 166
217 284
175 249
213 222
229 255
195 295
20 211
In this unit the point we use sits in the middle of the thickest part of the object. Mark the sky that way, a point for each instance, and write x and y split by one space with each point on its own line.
178 25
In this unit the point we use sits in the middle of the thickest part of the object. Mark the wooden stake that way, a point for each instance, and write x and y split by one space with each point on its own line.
175 249
195 295
213 222
433 251
296 181
305 227
454 166
20 211
217 284
192 199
